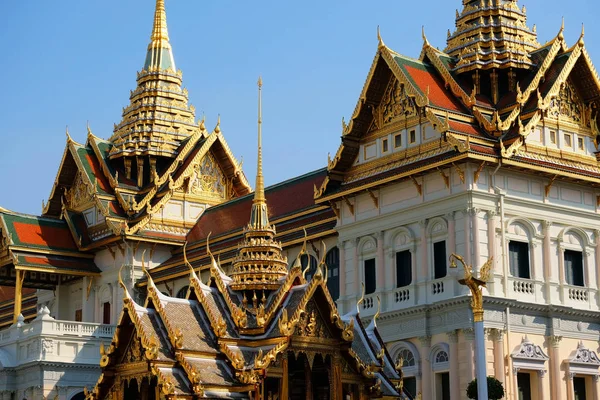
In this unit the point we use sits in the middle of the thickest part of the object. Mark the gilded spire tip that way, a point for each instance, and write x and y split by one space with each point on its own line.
379 38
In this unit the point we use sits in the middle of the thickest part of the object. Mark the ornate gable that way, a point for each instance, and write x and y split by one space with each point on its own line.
312 324
395 105
568 106
208 180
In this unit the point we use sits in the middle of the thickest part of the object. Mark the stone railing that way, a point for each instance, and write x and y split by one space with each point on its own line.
62 344
526 290
579 296
47 339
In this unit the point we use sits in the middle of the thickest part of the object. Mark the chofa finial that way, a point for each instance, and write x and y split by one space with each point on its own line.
379 38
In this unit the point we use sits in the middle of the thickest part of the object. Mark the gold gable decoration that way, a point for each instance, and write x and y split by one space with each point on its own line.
207 179
80 192
567 106
395 105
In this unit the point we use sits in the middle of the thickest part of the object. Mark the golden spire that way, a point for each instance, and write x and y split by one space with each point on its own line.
160 54
259 194
259 218
160 33
259 264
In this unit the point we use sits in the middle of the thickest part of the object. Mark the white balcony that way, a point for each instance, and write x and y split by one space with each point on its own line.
579 297
526 290
27 348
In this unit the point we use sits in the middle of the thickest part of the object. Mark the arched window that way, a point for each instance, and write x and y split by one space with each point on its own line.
520 234
438 233
333 272
440 364
410 368
403 246
304 261
368 248
573 242
441 357
182 293
408 357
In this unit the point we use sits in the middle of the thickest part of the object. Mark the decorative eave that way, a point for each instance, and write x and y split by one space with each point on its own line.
421 100
238 315
433 55
558 44
576 52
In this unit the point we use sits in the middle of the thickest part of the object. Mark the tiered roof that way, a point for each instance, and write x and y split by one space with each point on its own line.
491 34
473 124
158 118
224 337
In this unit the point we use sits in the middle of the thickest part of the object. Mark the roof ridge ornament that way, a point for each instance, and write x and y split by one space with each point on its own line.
379 39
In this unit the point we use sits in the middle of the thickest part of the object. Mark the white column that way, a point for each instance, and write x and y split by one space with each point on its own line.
115 301
542 385
454 368
357 287
548 278
497 337
342 272
476 251
556 377
451 233
381 267
595 388
570 387
426 381
469 336
597 264
424 251
468 238
482 389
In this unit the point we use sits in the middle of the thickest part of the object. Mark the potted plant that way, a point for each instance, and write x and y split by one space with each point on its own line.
495 389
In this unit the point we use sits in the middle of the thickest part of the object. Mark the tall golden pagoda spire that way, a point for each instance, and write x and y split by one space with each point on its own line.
259 218
491 34
158 117
160 54
259 264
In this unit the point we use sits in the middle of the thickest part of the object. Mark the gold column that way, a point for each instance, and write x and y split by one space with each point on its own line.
336 384
18 294
308 380
286 376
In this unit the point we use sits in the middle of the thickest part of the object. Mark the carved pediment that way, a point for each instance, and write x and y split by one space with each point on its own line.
529 356
80 192
207 179
568 106
134 352
395 105
311 324
584 355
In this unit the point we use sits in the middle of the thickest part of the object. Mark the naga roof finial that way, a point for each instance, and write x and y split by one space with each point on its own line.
379 38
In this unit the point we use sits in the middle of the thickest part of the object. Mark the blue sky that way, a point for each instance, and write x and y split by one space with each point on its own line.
72 61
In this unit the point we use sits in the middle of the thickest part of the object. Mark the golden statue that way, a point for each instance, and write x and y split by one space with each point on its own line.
474 284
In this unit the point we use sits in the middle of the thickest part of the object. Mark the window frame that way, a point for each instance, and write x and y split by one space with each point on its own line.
331 278
568 140
582 245
398 136
552 136
412 136
581 143
518 267
373 279
410 269
385 145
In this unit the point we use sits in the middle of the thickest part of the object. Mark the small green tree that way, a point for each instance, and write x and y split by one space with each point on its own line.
495 389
